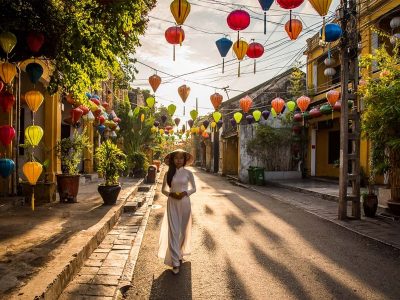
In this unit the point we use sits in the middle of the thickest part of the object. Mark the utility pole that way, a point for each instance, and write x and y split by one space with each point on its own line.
349 135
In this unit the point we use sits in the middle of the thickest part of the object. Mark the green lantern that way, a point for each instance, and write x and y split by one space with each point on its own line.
257 115
273 112
217 116
194 114
150 102
171 109
291 105
238 117
33 135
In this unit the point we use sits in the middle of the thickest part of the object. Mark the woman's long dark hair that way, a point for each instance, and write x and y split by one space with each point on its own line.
172 168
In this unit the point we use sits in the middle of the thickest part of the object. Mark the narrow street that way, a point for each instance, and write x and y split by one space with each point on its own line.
246 245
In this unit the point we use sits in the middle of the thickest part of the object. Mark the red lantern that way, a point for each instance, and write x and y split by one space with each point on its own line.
155 82
278 104
105 105
117 120
238 20
315 113
337 106
84 109
332 97
245 104
303 102
297 117
35 41
95 101
102 119
216 100
7 133
76 114
97 112
7 101
255 50
293 28
175 35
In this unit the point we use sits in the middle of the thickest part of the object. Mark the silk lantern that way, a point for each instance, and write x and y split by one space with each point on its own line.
142 118
101 128
278 104
274 113
205 135
293 28
7 166
35 41
265 114
245 104
180 9
193 114
32 171
291 105
163 119
206 123
177 121
7 134
191 123
154 81
175 35
240 49
161 131
332 32
150 101
184 92
238 117
255 50
315 113
105 105
8 41
213 124
265 5
233 122
219 124
76 114
156 123
1 85
250 119
171 109
257 115
332 96
223 45
322 8
289 4
84 109
33 135
34 99
216 100
7 101
35 71
216 116
238 20
303 102
7 72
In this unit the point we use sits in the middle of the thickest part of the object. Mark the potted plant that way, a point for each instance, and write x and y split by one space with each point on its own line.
110 162
70 151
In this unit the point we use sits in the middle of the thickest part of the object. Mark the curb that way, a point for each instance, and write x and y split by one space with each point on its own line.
63 278
127 274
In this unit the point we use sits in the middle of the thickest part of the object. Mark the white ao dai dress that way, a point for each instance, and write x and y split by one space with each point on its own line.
176 228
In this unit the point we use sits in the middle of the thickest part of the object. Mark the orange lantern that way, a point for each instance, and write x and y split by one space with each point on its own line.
155 82
216 100
245 104
303 102
180 9
240 49
205 134
332 96
34 99
278 104
32 171
7 72
184 92
293 28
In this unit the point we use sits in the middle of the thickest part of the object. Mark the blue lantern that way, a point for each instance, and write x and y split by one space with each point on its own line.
88 95
265 5
6 167
35 71
224 45
96 97
101 128
332 32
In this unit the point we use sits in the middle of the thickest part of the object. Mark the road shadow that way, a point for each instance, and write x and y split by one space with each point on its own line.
208 210
234 222
236 286
209 241
171 286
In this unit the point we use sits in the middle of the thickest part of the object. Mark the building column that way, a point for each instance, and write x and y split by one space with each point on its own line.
52 133
88 153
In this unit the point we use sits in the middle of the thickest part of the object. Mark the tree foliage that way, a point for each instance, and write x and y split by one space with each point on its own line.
87 40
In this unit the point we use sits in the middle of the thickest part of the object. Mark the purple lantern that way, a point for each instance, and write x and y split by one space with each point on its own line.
265 114
233 122
219 123
190 122
250 119
163 119
206 123
177 121
156 123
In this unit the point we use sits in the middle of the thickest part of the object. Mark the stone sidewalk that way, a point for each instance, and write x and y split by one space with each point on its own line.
41 250
312 198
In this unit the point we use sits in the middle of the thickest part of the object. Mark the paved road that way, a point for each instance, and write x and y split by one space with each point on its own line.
250 246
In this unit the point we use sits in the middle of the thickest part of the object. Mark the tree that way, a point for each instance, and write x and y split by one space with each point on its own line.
86 40
381 115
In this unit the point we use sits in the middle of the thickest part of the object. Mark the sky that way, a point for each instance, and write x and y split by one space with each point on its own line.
205 24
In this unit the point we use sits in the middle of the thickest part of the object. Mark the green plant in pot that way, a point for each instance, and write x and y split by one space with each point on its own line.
110 162
70 152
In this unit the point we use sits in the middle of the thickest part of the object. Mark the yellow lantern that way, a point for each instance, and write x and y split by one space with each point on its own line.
33 135
7 72
7 41
32 171
171 131
203 128
34 99
161 131
142 118
180 9
213 124
154 129
240 49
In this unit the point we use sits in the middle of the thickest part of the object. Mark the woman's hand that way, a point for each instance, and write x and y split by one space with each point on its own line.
178 196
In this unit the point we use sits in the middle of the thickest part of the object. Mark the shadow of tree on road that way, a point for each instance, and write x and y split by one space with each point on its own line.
209 241
234 222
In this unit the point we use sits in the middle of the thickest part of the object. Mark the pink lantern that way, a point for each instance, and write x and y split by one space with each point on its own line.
238 20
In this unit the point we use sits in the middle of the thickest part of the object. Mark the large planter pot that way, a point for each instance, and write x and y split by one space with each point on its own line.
370 205
109 193
68 187
45 192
